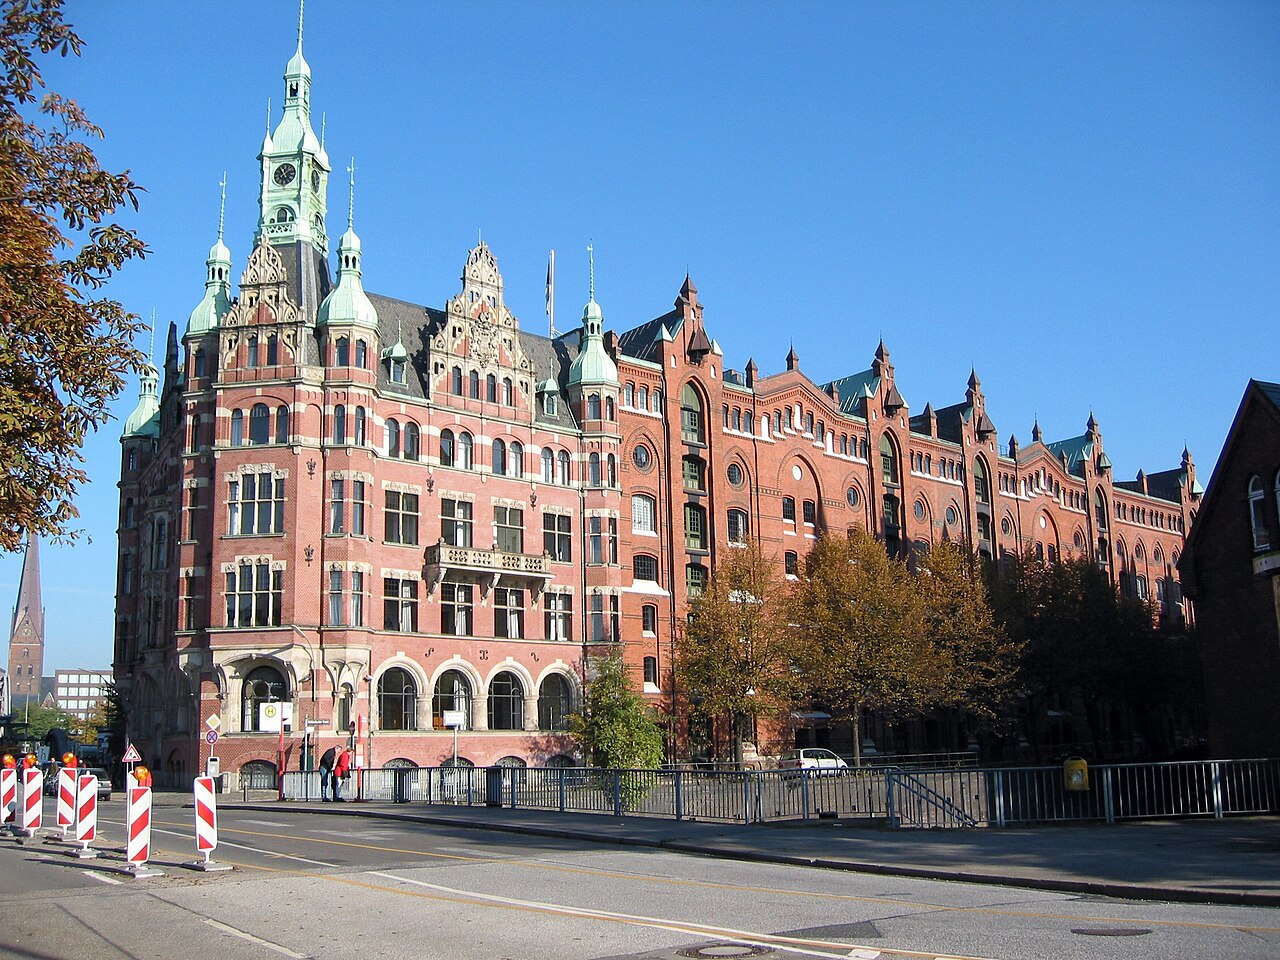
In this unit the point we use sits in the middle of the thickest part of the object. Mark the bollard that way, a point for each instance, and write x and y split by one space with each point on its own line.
32 801
9 794
207 824
86 816
139 825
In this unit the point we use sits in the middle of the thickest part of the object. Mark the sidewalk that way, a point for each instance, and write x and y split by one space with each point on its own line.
1234 861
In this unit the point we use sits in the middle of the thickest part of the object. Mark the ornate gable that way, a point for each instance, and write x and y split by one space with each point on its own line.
264 301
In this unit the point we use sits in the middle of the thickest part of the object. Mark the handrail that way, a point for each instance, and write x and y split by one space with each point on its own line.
923 792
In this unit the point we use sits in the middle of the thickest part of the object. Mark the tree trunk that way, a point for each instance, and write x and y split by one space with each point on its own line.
857 734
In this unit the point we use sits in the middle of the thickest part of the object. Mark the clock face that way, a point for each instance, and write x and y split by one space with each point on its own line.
315 180
284 174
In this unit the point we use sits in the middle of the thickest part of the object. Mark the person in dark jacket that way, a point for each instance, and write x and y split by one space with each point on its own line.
341 770
328 782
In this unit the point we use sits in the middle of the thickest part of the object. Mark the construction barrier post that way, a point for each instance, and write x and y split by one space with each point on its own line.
139 825
207 824
66 799
32 801
86 815
9 794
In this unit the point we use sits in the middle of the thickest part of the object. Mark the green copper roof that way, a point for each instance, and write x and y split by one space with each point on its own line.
593 364
347 302
145 421
217 291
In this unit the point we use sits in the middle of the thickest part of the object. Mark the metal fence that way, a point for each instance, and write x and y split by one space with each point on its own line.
954 797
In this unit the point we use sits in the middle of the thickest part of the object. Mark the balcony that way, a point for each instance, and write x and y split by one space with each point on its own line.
488 567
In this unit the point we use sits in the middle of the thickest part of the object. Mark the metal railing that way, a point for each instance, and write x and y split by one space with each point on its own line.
953 797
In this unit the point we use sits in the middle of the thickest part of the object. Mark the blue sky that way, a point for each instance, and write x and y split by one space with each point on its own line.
1081 200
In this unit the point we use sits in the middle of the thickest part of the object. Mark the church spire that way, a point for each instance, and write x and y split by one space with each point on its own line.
26 638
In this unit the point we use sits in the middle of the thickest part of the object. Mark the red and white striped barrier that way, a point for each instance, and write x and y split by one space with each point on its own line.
86 814
66 799
138 818
9 794
32 801
206 823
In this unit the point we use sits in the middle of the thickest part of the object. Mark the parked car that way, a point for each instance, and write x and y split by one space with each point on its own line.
104 782
818 759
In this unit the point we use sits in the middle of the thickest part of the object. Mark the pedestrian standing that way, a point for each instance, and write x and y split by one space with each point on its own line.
328 782
341 770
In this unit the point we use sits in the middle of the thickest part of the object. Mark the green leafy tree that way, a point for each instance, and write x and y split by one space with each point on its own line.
864 624
40 720
63 352
616 728
736 654
977 664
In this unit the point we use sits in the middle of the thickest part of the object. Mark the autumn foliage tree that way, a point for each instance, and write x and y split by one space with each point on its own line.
64 352
737 655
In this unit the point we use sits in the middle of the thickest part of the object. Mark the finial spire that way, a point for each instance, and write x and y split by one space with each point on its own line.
222 204
591 265
324 120
301 8
351 194
152 349
268 116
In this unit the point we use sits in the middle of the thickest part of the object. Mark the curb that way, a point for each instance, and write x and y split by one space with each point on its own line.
1120 891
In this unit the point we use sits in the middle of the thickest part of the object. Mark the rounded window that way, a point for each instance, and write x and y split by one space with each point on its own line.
851 496
1006 527
736 476
953 515
641 457
919 510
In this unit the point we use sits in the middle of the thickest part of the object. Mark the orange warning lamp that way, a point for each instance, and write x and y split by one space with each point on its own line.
142 775
69 759
29 762
9 762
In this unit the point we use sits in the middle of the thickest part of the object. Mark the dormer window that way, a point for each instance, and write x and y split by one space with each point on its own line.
549 405
397 371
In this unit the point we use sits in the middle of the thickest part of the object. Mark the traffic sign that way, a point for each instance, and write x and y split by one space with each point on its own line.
213 723
211 737
131 755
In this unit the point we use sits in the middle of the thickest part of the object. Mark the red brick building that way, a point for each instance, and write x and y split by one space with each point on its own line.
339 505
1232 570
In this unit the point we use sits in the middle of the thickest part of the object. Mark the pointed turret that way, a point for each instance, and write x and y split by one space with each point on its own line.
217 281
1013 447
593 363
753 371
347 302
793 358
144 421
1091 427
1037 436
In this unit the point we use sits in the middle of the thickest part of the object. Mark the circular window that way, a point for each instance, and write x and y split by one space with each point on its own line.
641 457
736 475
1043 523
851 496
919 510
952 516
796 472
1006 527
1078 540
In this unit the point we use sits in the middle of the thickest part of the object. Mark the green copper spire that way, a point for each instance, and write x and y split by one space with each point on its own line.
347 302
145 420
592 364
295 168
217 282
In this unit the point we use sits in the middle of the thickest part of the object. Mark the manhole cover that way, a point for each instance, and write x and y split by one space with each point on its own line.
723 950
1110 931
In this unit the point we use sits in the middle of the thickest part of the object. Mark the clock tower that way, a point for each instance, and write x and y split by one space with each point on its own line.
294 184
26 640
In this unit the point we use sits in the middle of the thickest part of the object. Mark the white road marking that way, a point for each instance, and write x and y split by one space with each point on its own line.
251 938
748 937
98 876
186 835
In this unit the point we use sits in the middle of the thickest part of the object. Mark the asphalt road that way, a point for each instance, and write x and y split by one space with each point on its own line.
326 886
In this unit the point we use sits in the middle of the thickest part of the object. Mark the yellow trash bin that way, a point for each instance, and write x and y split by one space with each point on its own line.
1075 774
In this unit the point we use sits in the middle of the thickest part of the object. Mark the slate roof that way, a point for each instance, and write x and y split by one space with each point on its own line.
1078 450
639 342
853 389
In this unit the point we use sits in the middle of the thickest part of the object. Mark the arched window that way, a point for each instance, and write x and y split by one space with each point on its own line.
259 424
593 470
284 215
644 567
362 354
506 702
507 397
515 461
199 363
888 460
691 421
609 413
1257 515
491 388
273 350
282 424
548 465
455 381
397 700
473 380
346 699
464 451
251 353
593 406
499 457
981 487
1100 509
642 397
562 468
611 474
643 514
264 685
739 526
448 449
411 441
393 437
695 527
555 700
453 692
237 433
342 352
629 395
359 433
